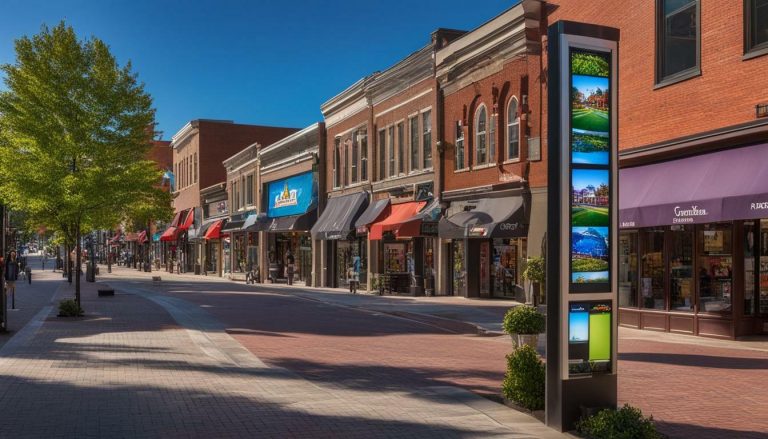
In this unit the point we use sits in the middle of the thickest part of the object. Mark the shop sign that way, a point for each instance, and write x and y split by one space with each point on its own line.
291 196
428 228
686 214
477 231
362 230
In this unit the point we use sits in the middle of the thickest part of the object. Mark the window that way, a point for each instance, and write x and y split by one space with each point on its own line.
414 125
426 143
481 136
400 148
362 138
355 155
756 26
628 269
347 146
459 159
235 195
336 163
715 273
391 150
681 284
513 130
382 157
242 191
189 161
677 39
249 190
195 167
652 269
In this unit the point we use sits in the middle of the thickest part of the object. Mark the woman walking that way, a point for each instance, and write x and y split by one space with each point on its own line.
11 276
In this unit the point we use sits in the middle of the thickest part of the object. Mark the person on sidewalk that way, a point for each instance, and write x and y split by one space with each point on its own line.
290 261
11 273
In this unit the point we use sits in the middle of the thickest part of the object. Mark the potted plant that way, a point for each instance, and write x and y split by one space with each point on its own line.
524 324
536 274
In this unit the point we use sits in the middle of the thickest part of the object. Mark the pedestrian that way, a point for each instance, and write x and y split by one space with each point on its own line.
290 261
28 273
354 275
11 273
45 258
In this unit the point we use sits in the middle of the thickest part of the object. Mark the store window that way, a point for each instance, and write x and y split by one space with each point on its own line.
715 268
681 283
677 40
652 269
426 140
459 272
756 26
750 252
628 269
459 159
481 136
395 257
505 267
414 126
513 130
763 268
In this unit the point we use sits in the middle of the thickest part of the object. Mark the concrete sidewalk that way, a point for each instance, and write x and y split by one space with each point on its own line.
140 364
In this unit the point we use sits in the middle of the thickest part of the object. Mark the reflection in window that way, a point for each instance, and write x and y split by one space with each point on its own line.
628 269
715 268
652 269
513 130
678 39
426 144
481 136
459 159
756 24
681 269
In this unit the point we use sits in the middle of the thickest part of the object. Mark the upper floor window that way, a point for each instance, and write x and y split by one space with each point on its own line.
459 159
400 148
492 139
426 141
513 130
195 167
362 140
414 135
678 36
481 136
249 190
345 163
391 150
382 154
756 26
336 162
355 155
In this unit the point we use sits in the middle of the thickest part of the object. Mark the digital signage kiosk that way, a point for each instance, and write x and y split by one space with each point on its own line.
583 224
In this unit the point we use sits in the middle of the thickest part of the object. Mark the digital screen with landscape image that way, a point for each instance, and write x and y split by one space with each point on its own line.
589 255
589 197
590 107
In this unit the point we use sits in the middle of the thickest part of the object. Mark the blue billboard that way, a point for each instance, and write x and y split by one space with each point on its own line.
291 196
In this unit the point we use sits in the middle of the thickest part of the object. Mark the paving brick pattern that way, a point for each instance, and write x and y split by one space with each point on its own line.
145 365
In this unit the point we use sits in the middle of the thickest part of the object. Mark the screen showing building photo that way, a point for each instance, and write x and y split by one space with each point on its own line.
589 197
589 255
590 107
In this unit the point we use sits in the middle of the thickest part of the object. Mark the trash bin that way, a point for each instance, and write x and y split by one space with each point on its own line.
197 268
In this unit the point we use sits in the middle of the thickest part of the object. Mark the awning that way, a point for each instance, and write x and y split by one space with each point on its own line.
720 186
214 231
398 214
292 223
188 220
177 218
116 239
338 218
373 213
170 234
156 236
250 222
142 238
233 226
503 217
423 223
131 237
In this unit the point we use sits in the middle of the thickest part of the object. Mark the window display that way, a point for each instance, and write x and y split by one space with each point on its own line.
628 269
652 269
394 257
459 268
715 268
505 267
681 268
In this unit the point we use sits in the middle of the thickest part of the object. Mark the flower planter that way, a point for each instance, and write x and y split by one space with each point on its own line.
531 340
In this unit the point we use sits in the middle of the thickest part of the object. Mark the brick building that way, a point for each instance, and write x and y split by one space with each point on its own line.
693 250
494 167
199 148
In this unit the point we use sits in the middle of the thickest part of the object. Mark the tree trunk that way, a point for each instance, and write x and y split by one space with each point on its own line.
78 255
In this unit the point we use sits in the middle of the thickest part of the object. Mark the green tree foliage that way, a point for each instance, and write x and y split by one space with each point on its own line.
589 64
74 135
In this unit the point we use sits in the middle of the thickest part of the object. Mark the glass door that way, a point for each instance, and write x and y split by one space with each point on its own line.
681 269
750 246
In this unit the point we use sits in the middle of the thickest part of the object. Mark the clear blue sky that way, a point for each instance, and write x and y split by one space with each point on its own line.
263 61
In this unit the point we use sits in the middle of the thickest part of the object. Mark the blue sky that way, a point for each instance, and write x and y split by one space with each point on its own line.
584 83
584 177
261 62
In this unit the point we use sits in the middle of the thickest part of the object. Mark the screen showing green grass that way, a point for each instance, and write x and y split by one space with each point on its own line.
589 197
600 332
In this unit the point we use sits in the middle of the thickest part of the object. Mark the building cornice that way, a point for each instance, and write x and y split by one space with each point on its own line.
306 141
242 158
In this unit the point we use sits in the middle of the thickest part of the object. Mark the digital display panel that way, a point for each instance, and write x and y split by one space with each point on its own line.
589 337
590 173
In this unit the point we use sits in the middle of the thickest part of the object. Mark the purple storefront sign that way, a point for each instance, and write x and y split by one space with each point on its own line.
721 186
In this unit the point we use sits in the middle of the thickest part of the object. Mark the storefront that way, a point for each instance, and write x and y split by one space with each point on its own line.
336 227
693 252
290 215
488 241
239 242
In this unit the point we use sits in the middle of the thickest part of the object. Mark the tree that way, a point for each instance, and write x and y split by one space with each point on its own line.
73 135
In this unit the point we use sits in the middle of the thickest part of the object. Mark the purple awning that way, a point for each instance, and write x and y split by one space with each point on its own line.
720 186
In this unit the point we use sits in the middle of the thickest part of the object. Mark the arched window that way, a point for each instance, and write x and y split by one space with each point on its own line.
513 130
481 136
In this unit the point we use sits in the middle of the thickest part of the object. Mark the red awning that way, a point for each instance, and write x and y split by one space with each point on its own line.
177 219
115 239
214 231
142 238
399 214
170 234
190 218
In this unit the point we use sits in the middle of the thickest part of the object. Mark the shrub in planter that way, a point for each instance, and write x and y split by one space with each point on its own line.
524 323
535 272
626 423
69 308
524 380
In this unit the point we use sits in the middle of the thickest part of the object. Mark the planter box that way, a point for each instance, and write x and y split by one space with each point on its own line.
538 414
105 293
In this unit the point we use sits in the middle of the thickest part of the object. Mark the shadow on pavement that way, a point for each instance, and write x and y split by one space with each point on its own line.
677 430
693 360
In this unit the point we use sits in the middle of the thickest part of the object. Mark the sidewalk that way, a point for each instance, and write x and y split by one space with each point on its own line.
141 364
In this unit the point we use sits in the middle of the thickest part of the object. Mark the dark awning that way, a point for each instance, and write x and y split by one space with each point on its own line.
338 218
423 223
292 223
720 186
491 218
232 226
373 213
